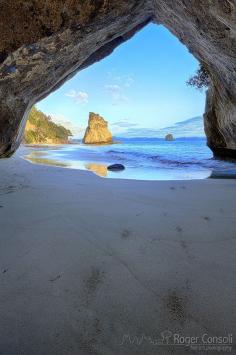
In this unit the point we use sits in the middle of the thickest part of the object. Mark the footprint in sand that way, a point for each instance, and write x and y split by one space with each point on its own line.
55 278
176 307
126 234
94 280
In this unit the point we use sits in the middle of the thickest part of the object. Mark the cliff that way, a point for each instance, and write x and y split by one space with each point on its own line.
40 129
97 131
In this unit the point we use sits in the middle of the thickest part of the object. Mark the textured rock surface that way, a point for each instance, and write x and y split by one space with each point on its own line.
43 43
97 131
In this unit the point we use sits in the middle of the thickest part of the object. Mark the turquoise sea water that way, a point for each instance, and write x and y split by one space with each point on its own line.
143 158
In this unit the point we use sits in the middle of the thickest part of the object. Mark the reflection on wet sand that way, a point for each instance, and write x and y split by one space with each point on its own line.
79 158
48 162
98 169
37 157
40 157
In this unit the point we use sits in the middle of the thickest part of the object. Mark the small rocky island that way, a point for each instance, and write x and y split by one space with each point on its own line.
97 131
169 137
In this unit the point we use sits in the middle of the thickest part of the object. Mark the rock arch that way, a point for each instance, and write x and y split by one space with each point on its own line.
43 43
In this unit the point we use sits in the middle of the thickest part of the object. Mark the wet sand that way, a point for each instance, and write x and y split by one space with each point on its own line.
101 266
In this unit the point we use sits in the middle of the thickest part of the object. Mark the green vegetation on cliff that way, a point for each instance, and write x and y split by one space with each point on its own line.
41 129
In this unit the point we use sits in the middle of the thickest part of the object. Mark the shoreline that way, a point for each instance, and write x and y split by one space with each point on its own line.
231 174
97 259
99 168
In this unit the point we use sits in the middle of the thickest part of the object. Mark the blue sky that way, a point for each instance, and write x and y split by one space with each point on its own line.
142 84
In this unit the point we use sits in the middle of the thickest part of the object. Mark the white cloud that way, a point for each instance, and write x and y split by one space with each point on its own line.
118 87
78 96
125 124
129 81
113 89
126 80
65 122
116 93
192 127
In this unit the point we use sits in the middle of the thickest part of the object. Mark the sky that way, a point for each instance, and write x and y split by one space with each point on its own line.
141 85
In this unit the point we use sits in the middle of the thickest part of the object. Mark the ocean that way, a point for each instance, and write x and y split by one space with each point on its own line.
143 158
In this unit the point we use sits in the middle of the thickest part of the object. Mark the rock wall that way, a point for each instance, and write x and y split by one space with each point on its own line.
97 131
44 43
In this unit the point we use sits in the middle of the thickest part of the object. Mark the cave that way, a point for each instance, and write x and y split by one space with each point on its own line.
43 44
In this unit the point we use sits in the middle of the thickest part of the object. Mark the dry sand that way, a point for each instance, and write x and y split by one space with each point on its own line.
87 264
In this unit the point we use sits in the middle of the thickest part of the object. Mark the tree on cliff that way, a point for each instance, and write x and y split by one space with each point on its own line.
201 78
41 129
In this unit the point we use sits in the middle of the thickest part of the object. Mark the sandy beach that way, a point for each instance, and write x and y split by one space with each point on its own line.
101 266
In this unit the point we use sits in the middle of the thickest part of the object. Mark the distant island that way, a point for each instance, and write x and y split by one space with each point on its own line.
169 137
192 127
40 129
97 131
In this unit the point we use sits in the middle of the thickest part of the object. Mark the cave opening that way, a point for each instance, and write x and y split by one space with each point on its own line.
142 82
141 90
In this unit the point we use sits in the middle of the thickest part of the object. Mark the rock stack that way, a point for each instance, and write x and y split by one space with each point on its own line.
97 131
169 137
